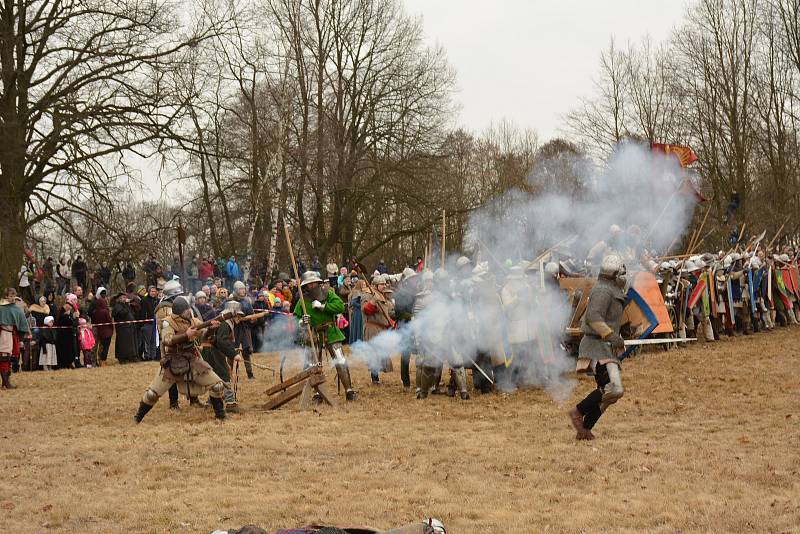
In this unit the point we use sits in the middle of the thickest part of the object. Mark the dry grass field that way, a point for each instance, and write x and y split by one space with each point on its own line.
706 439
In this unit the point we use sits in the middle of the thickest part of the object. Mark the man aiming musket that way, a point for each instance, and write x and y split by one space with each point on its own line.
321 317
181 364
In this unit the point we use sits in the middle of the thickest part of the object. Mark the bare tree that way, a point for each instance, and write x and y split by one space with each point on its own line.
81 84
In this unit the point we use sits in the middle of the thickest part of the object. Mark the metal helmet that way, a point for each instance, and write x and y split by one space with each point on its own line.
612 265
689 266
755 262
727 261
172 289
462 261
309 277
408 272
427 275
180 305
441 274
233 305
665 266
379 279
552 268
238 285
700 264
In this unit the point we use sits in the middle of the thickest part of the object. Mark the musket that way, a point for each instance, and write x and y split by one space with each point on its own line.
254 316
224 316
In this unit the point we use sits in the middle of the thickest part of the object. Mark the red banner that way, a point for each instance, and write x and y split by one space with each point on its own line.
685 155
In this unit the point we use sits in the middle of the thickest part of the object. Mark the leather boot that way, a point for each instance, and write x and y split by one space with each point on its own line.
425 377
219 407
6 378
437 380
173 397
143 409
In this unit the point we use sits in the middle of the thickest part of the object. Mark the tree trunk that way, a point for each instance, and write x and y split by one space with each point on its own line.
12 237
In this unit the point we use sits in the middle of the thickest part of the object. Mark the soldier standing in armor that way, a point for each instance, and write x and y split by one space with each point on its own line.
322 308
454 354
601 345
517 301
426 336
219 351
172 290
404 299
243 331
181 363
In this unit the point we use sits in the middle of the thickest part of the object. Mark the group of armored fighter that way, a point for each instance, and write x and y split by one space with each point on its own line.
505 338
200 356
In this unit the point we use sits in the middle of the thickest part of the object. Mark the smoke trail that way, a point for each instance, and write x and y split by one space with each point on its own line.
513 320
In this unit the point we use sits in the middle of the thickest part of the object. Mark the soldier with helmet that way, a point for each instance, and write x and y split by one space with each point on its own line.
516 298
171 291
601 345
219 351
322 307
181 364
404 299
243 333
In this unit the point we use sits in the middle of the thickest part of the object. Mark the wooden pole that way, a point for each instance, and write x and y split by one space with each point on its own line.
777 234
299 289
430 251
658 219
444 235
693 244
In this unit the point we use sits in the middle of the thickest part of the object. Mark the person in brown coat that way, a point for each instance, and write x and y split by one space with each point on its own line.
378 315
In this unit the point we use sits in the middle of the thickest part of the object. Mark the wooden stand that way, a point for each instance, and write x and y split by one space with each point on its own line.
300 385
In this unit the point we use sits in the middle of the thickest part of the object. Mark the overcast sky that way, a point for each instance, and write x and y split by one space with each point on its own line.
524 60
530 60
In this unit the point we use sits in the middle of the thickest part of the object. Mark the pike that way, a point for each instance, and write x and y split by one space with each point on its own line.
266 368
637 342
478 367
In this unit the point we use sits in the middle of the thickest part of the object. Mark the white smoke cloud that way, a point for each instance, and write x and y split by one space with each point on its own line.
467 320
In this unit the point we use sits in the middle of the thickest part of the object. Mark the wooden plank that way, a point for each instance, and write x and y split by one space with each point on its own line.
305 397
293 392
576 283
323 392
580 309
277 388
